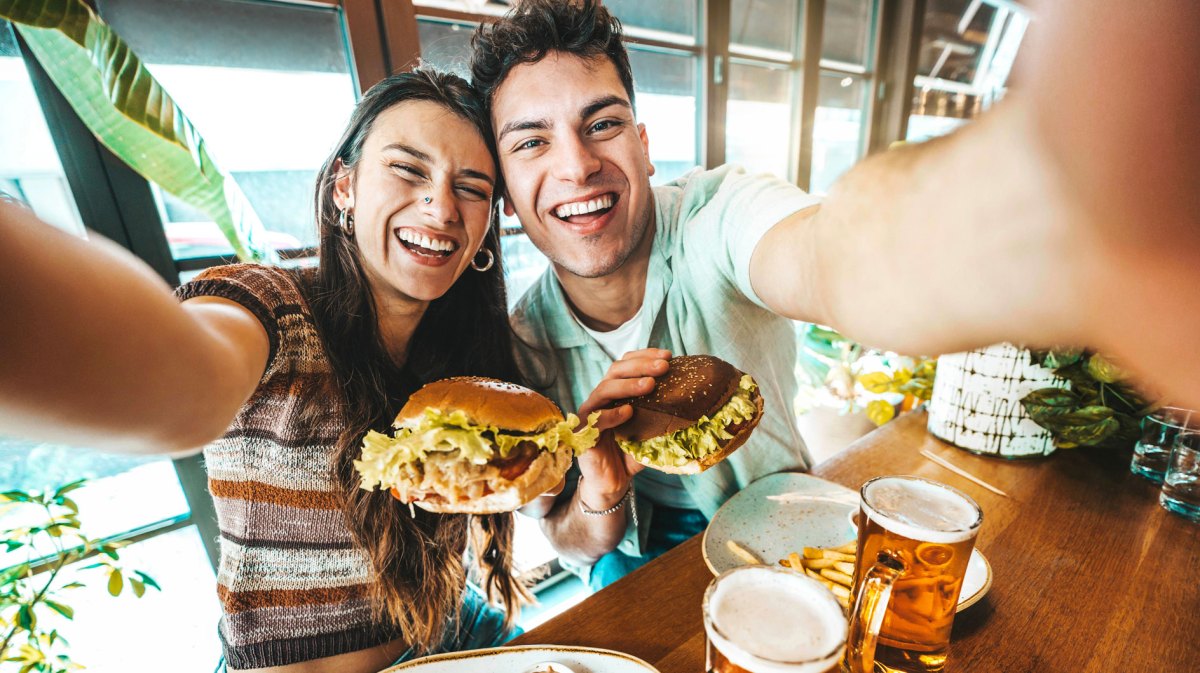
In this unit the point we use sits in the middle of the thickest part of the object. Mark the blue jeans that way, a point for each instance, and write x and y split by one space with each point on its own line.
481 625
668 527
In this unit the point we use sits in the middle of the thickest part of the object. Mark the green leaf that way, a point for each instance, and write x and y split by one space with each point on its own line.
1104 370
25 618
147 579
74 585
67 488
64 610
116 582
1044 403
1057 358
129 112
16 496
880 412
70 504
139 589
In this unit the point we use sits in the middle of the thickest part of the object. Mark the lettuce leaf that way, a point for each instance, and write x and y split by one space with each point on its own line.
701 439
383 458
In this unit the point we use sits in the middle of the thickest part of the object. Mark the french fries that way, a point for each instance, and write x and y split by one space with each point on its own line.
833 567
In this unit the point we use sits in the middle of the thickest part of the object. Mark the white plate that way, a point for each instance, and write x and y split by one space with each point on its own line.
785 512
525 658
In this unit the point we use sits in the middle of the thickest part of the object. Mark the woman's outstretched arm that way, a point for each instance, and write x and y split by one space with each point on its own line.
97 352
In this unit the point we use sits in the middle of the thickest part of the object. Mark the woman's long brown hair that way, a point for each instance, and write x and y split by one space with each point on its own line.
418 561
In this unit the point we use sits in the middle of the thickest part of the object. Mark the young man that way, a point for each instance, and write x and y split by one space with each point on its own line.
720 262
633 268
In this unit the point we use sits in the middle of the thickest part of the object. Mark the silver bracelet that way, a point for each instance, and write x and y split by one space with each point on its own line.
605 512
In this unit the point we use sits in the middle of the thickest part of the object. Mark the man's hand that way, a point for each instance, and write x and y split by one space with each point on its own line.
607 469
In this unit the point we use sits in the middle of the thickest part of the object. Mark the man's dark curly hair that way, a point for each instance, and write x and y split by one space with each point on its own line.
534 28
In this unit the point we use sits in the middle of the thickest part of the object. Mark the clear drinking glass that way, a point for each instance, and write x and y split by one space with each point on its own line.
915 537
1181 485
764 619
1152 450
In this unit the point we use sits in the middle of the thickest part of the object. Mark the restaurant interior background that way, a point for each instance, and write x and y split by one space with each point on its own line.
800 88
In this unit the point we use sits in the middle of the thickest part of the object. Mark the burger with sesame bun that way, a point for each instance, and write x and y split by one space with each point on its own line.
699 412
473 445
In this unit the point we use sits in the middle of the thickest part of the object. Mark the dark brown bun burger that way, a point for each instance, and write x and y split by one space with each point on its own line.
699 412
474 446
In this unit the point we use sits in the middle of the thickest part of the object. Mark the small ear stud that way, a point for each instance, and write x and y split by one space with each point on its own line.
428 199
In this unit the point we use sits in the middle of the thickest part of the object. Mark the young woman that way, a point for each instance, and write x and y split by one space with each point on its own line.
279 373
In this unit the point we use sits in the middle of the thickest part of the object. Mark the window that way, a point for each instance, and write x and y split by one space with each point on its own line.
124 493
446 45
764 74
758 122
269 89
967 51
665 96
841 123
29 167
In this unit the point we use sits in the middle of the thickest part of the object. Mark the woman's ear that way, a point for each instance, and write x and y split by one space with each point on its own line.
343 186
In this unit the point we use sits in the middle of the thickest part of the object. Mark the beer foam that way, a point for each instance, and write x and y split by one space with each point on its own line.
921 510
771 620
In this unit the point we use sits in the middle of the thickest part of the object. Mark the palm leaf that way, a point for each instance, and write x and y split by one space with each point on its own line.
131 114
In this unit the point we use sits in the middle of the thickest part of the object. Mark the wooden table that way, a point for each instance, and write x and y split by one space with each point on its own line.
1090 574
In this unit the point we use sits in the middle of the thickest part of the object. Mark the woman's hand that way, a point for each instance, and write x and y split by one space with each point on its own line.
607 469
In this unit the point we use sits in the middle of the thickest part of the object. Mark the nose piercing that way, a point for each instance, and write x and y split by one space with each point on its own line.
428 199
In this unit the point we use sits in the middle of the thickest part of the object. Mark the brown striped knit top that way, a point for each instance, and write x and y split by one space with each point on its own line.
292 585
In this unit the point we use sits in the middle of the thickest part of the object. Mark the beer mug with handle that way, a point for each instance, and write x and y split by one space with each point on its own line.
761 619
914 540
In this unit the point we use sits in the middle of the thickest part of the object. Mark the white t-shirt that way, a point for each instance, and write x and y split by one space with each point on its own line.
632 335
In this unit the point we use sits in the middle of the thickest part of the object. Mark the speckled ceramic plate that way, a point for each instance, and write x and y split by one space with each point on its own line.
527 659
783 513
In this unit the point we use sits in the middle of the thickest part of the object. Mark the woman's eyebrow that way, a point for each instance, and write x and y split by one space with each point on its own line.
422 156
409 149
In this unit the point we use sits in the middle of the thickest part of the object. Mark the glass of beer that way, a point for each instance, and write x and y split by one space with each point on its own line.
764 619
914 540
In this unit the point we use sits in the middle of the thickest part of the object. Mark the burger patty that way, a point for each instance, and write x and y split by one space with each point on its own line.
517 462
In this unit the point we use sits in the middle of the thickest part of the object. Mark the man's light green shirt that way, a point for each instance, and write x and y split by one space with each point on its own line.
700 302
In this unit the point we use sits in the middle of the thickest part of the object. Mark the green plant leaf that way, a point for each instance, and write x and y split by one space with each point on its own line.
67 488
1104 370
116 582
64 610
16 496
1045 403
139 589
74 585
25 618
148 580
129 112
1056 357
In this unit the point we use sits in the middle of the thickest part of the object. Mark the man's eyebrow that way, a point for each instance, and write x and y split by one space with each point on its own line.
601 103
523 125
409 149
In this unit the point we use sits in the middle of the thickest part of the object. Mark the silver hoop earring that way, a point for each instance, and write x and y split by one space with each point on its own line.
346 221
491 260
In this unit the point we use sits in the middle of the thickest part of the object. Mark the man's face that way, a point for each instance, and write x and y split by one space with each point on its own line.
576 162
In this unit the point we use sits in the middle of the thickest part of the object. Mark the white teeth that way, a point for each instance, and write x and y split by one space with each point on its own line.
417 238
584 207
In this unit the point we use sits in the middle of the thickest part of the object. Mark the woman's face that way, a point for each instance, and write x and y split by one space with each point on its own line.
420 196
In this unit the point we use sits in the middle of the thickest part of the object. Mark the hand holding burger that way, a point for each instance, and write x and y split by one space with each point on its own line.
473 445
700 411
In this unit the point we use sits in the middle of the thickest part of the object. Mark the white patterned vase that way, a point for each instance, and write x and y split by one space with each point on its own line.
976 402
